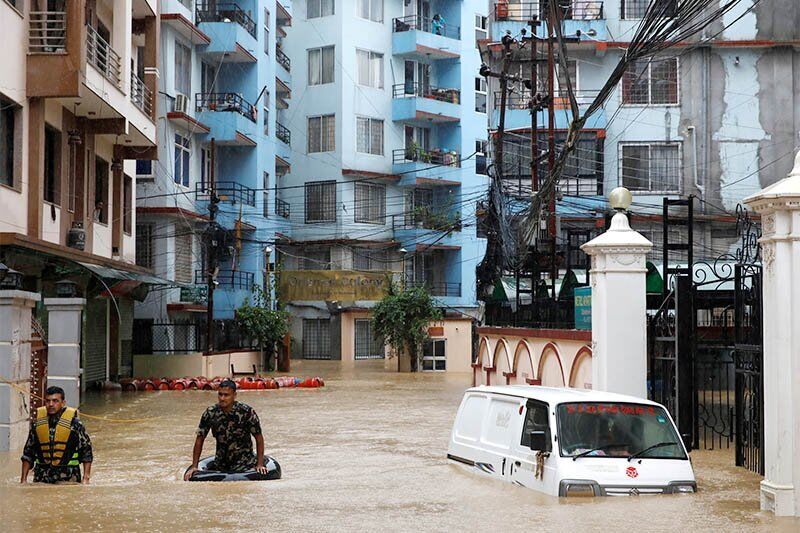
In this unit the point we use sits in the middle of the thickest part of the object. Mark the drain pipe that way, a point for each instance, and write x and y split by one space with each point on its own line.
697 185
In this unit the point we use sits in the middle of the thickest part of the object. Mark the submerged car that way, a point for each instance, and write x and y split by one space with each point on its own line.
571 442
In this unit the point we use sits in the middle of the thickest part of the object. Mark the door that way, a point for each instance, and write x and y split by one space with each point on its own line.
434 356
534 469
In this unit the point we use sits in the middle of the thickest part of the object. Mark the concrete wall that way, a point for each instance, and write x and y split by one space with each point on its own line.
194 364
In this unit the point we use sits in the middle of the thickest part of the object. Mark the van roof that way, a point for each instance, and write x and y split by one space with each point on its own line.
559 394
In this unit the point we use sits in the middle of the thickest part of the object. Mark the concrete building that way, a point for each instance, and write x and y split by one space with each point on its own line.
389 132
225 82
76 109
715 117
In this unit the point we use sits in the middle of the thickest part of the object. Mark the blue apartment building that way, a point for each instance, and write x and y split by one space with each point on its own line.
224 84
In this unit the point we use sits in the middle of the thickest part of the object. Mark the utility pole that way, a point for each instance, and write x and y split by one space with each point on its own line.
551 143
211 246
534 22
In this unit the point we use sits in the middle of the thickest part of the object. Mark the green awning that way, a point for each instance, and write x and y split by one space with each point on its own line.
654 281
123 275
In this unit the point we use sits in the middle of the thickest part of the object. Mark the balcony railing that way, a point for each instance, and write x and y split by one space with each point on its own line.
413 89
437 288
141 96
212 11
177 338
226 102
283 59
234 279
282 209
426 24
100 54
570 10
283 133
523 100
428 218
47 32
227 191
436 156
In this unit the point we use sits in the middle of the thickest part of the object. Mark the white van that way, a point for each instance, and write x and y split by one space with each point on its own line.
571 442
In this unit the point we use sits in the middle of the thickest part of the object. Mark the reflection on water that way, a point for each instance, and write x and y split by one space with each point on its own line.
367 452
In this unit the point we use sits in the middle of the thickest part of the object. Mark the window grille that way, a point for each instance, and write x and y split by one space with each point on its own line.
651 82
367 346
316 338
651 167
144 245
322 134
369 136
320 201
370 203
316 260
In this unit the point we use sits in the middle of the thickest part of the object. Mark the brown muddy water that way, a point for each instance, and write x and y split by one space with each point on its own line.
365 453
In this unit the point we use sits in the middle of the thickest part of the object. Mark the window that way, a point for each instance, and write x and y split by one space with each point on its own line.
322 134
369 136
647 82
481 33
316 260
367 346
127 204
266 113
266 31
651 167
320 201
265 186
320 65
205 167
100 191
183 69
52 165
8 125
183 255
536 419
319 8
370 68
636 9
144 245
433 356
480 95
480 156
365 260
182 156
370 203
144 169
208 77
316 338
370 10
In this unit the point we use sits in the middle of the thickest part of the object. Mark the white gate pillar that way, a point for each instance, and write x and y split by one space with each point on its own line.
619 305
64 346
15 366
779 207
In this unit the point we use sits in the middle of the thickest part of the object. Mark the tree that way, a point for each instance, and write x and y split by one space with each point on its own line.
259 321
402 318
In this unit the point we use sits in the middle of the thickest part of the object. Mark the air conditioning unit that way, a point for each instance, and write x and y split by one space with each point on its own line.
181 103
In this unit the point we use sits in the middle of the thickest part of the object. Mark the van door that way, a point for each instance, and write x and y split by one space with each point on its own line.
500 428
535 469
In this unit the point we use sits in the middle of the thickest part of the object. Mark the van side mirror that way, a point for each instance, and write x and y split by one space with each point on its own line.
687 441
538 441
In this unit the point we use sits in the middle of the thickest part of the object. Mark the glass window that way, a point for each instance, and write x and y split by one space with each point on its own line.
369 135
322 134
370 203
536 419
316 260
319 8
182 157
370 9
433 356
316 338
481 32
144 245
480 95
367 345
480 156
320 65
370 68
144 168
101 191
183 69
320 202
636 9
8 115
127 204
266 31
183 255
651 167
52 165
651 82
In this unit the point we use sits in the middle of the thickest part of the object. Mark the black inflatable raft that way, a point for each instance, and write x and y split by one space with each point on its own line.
203 474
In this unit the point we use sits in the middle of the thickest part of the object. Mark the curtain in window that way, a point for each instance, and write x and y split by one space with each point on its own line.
376 70
183 69
362 135
328 133
664 167
376 137
636 167
376 10
363 64
314 70
327 64
363 8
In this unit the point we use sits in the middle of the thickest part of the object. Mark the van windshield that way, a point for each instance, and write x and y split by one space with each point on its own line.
617 430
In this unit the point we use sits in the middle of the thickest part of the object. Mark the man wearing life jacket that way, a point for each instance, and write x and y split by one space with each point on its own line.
57 443
232 423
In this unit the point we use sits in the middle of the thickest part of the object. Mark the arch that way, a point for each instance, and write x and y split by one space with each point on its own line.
551 369
501 364
580 375
483 347
479 374
523 363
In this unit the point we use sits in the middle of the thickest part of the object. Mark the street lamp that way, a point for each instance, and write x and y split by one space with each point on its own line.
620 199
403 253
12 280
66 288
267 288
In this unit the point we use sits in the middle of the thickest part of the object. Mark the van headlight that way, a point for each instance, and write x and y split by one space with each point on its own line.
682 487
572 488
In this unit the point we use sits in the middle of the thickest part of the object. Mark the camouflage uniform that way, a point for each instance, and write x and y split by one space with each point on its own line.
44 473
232 431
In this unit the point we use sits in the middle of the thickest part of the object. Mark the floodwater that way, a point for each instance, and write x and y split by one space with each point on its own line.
365 453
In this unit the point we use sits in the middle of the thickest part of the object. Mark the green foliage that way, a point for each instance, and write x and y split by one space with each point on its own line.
259 321
402 318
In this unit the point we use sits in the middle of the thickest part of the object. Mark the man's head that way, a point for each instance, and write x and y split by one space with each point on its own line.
54 400
226 393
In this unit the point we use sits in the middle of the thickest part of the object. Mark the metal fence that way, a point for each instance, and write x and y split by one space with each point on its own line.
283 133
424 90
283 60
100 54
435 156
141 96
426 24
227 191
47 32
213 11
222 102
187 337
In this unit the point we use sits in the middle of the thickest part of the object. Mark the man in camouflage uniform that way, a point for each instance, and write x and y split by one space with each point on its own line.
57 443
232 423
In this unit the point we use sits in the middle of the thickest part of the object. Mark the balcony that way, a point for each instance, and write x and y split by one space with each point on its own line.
229 279
141 96
421 105
584 15
47 32
283 133
415 163
100 55
282 209
422 38
518 112
283 60
437 288
232 31
231 118
428 226
227 191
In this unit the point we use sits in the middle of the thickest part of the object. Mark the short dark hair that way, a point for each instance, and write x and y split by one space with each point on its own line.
227 384
55 390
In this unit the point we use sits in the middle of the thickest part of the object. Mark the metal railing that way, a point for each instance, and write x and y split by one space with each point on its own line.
429 218
233 279
437 288
100 54
47 32
227 191
422 90
178 338
426 24
212 11
283 133
435 156
282 209
570 10
141 95
523 100
226 102
282 59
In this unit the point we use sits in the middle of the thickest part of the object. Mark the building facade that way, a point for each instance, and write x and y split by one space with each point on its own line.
77 108
389 136
224 87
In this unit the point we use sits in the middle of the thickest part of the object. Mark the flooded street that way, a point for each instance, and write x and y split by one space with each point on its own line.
365 453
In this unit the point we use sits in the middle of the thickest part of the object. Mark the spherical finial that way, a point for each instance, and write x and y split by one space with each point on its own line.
620 199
